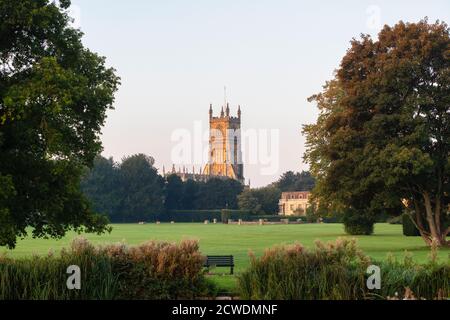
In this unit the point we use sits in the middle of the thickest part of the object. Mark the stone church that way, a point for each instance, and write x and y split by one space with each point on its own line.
225 153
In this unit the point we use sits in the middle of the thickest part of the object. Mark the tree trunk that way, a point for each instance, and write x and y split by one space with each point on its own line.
432 218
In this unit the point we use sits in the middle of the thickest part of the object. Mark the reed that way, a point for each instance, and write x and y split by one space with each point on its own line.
337 271
154 270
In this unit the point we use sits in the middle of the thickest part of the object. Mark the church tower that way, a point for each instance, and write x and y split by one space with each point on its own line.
225 155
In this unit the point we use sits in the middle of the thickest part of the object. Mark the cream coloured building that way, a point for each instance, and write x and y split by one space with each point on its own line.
294 203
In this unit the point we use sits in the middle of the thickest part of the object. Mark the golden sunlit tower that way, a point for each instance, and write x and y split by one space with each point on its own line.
225 155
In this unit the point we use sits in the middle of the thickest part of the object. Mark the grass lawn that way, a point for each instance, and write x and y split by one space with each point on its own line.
239 240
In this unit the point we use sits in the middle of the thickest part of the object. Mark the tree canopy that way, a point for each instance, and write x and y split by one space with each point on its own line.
133 190
383 134
260 200
295 181
54 94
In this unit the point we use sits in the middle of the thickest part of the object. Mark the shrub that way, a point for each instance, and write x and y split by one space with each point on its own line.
159 270
329 271
409 228
358 223
395 220
337 270
154 270
426 281
44 278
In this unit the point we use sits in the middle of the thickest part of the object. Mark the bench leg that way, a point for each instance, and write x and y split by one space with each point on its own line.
231 271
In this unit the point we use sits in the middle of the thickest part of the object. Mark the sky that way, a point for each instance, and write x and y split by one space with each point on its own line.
175 57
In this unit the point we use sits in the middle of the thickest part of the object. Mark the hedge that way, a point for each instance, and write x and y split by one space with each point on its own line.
189 216
358 223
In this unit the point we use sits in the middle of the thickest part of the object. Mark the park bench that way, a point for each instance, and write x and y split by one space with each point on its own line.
220 261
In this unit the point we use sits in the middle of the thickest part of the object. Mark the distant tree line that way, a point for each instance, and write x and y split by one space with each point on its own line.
133 190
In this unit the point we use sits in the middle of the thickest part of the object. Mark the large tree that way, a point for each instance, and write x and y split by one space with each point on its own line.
173 191
54 94
383 133
101 185
140 188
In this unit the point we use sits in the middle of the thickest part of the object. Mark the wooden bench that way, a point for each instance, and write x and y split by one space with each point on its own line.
220 261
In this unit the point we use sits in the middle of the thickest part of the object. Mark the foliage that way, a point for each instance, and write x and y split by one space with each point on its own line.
260 201
291 181
383 132
265 200
336 271
129 191
291 272
218 193
54 94
154 270
174 193
395 220
132 190
427 281
409 229
140 188
357 223
100 185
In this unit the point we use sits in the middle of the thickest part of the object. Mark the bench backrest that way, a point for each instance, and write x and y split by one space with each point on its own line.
220 260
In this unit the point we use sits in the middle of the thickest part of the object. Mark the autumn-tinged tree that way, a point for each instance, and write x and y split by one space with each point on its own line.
54 94
383 134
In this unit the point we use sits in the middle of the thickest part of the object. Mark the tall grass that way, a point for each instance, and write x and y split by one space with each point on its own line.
428 281
154 270
336 270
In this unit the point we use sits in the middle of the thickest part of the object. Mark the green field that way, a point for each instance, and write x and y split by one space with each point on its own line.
239 240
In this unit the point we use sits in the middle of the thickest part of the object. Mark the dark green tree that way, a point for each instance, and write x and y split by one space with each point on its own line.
383 134
248 201
54 94
190 195
173 191
101 185
261 200
219 193
140 189
295 181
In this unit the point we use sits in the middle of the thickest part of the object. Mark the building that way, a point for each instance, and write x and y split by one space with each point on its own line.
185 175
225 154
294 203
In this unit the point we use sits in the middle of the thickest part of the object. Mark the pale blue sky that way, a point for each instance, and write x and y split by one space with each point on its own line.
174 57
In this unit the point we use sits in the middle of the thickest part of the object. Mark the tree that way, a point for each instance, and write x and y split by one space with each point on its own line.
101 186
248 201
54 94
261 200
383 133
141 188
291 181
174 190
190 195
218 193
